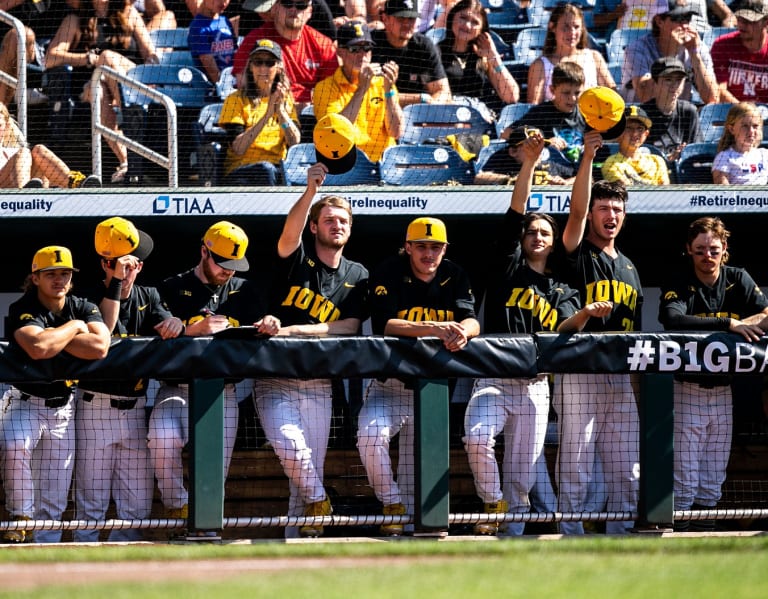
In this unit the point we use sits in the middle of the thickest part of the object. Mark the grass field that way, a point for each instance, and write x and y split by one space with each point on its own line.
731 567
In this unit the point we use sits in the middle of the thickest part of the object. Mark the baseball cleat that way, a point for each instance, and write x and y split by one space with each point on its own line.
318 508
492 528
18 536
393 530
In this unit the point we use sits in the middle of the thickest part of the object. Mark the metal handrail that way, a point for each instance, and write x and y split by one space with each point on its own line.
171 162
20 81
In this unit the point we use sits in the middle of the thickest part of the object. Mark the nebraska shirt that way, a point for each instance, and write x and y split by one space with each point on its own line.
744 72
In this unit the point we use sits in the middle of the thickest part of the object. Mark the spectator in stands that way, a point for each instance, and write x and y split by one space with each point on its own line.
417 293
675 122
471 61
633 164
111 35
308 56
566 41
36 428
671 35
559 119
522 297
38 167
421 77
155 14
741 58
344 11
551 167
363 92
740 160
212 39
707 295
8 64
260 119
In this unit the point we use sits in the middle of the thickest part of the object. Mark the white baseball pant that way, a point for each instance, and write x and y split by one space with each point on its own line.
386 411
518 408
169 433
703 429
296 418
38 451
112 459
597 413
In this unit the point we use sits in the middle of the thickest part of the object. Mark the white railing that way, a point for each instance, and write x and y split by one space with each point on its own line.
19 83
170 162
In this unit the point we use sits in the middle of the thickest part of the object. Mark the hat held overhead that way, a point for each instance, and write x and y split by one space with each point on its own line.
603 111
116 237
334 138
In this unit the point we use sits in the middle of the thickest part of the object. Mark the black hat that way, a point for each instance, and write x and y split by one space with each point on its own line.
666 65
354 33
680 7
408 9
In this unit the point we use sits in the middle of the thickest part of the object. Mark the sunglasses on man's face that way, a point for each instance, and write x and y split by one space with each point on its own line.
293 4
264 62
359 49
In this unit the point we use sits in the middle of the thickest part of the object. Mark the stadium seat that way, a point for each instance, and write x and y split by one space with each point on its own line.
177 58
429 122
507 18
497 145
436 34
618 42
424 165
712 121
189 89
172 39
301 156
711 34
210 146
509 114
529 44
695 163
615 70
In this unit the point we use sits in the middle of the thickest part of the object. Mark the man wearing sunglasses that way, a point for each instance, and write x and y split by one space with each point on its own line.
363 92
308 55
672 34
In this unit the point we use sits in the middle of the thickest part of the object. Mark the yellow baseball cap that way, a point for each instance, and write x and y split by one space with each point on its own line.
603 111
427 229
334 137
52 257
116 237
227 243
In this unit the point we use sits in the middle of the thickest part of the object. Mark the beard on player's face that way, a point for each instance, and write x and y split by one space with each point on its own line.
215 274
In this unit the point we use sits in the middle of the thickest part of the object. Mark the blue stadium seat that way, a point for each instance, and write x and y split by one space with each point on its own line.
712 121
711 34
428 122
507 18
210 146
177 58
301 156
487 151
695 163
529 44
424 165
175 39
618 42
509 114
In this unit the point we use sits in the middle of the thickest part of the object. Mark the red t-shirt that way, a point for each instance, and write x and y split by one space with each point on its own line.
307 61
745 72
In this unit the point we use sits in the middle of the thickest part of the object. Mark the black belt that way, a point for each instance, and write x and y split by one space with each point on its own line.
50 402
118 404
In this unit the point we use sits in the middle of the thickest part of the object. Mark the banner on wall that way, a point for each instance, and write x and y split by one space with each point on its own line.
365 201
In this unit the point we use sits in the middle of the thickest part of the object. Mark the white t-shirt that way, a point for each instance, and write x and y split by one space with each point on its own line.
750 168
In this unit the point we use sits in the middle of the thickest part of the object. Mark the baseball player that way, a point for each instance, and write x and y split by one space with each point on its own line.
112 457
597 412
522 297
417 293
208 298
711 296
38 440
317 292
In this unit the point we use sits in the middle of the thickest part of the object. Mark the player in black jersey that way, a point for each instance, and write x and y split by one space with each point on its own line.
597 412
317 292
35 422
710 296
112 457
417 293
523 296
208 298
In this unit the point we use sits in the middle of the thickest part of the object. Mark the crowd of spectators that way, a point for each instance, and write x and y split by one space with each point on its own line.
370 60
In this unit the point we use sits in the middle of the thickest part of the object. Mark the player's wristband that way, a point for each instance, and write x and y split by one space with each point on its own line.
114 289
425 98
389 94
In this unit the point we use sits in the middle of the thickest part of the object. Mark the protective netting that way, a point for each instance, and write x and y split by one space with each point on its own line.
466 76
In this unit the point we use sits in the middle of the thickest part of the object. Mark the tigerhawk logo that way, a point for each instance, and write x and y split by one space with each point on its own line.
381 290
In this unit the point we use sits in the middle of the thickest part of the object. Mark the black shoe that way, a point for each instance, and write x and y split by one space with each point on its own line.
34 183
91 181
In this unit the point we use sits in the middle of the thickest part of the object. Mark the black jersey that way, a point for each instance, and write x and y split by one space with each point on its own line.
599 277
311 292
139 313
28 311
519 299
734 295
419 61
192 300
396 293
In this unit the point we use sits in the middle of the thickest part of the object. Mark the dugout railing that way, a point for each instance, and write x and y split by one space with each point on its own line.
207 361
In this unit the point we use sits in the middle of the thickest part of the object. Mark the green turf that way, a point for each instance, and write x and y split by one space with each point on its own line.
590 567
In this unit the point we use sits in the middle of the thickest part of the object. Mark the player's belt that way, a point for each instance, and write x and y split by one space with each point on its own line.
50 402
118 404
